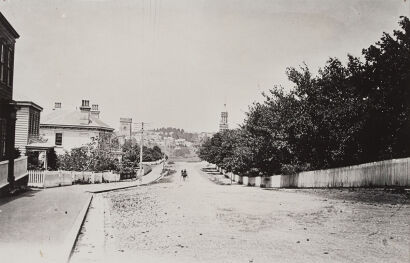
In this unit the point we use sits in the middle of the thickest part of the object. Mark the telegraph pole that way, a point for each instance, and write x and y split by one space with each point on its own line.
141 146
163 164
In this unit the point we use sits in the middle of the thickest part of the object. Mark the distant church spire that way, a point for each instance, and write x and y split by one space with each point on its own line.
223 124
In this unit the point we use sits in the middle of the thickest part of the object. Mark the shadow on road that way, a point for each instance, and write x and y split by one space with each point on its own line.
215 176
20 194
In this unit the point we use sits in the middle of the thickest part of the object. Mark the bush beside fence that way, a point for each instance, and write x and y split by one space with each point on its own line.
133 174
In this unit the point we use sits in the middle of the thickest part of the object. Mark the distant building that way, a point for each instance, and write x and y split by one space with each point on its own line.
126 127
223 124
73 128
152 138
180 142
125 131
203 136
169 144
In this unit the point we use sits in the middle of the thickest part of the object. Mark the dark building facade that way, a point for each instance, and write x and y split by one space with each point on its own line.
8 38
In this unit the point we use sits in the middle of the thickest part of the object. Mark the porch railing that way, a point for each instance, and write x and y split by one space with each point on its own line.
20 170
20 167
4 171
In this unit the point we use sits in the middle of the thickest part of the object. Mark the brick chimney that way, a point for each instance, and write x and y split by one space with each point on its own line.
85 111
95 112
57 106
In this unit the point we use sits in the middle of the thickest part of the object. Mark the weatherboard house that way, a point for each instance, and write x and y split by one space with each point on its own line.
27 125
68 129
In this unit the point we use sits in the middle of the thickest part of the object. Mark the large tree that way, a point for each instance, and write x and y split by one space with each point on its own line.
385 86
345 115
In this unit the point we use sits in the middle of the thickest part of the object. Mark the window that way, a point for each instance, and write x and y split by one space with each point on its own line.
2 139
6 64
34 120
37 124
30 126
59 138
9 67
2 67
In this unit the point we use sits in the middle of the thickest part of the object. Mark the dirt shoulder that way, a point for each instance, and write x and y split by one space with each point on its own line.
363 195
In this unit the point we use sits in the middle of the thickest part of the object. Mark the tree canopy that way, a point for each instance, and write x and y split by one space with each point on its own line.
344 115
97 156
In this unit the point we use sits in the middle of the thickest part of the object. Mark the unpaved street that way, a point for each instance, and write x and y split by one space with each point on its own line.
201 221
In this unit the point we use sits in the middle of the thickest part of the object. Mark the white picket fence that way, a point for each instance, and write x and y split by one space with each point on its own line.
62 178
36 178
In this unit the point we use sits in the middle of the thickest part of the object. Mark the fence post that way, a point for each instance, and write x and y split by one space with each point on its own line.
60 178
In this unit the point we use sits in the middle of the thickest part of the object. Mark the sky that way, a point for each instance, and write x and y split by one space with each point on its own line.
177 62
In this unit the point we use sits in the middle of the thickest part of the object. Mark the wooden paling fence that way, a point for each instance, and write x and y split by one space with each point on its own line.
393 172
389 173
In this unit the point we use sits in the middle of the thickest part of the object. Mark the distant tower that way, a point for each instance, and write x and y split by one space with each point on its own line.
223 124
126 127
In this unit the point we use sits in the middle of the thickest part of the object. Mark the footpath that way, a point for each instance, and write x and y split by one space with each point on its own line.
43 225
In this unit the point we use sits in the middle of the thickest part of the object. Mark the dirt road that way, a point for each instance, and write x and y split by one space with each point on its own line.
200 221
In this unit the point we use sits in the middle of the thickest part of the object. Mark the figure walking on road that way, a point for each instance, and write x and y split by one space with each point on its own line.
184 174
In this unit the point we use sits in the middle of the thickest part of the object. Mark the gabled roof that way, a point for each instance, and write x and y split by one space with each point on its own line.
72 119
8 26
